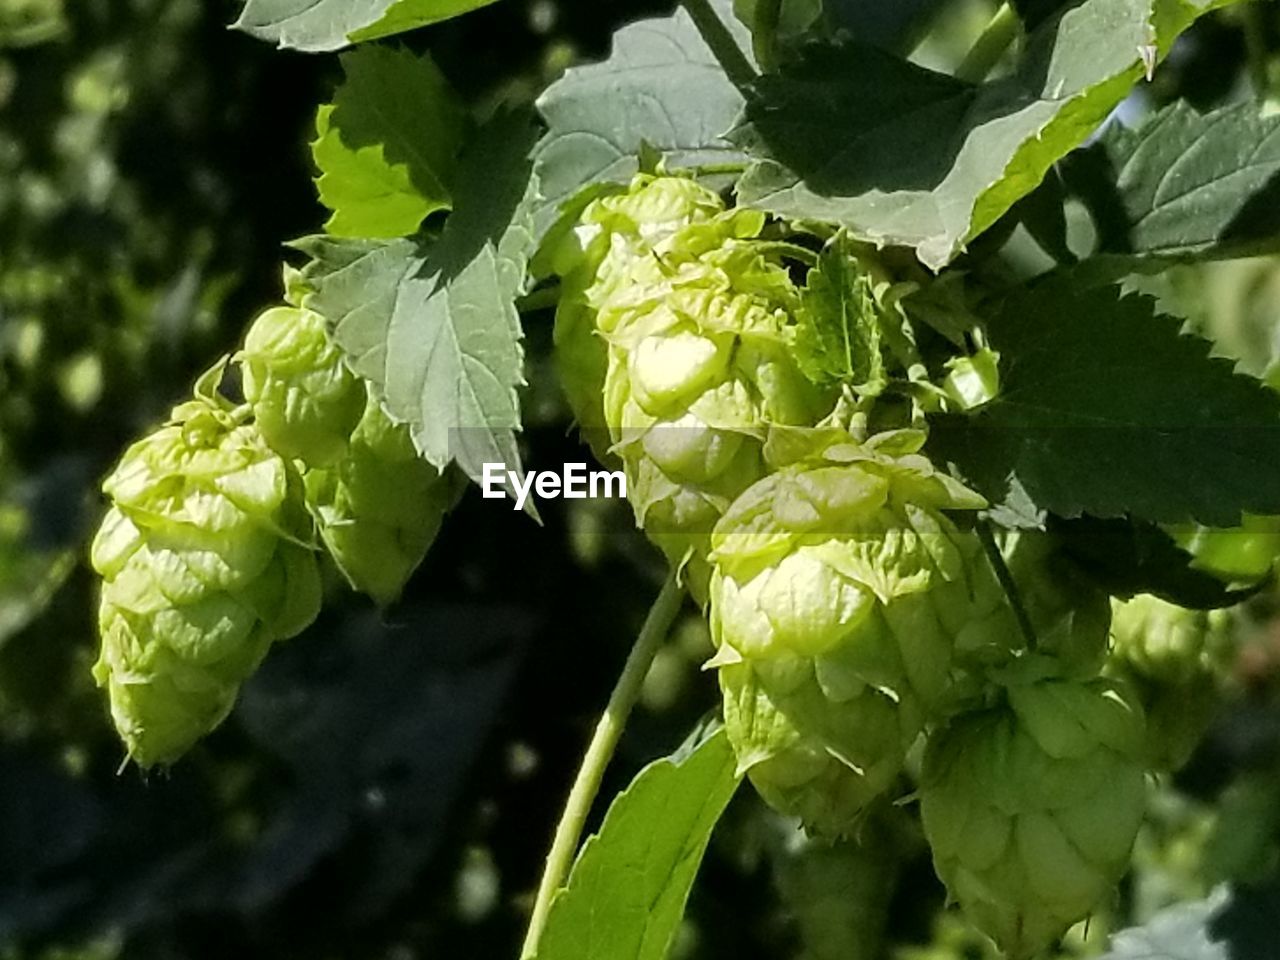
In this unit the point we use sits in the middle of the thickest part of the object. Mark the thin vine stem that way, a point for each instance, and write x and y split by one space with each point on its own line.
764 32
996 558
599 752
991 45
717 36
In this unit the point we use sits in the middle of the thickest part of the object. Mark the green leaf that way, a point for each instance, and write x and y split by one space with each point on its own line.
1107 409
316 26
436 328
841 132
628 888
387 146
838 331
660 87
1183 186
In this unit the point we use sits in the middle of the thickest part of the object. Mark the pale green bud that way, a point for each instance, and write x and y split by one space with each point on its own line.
379 508
1178 661
1031 807
304 398
203 570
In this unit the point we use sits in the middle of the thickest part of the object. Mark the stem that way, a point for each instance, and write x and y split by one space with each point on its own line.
764 32
991 45
539 299
1256 50
717 36
996 558
603 742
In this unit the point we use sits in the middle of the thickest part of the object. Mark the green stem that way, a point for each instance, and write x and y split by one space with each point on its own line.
603 742
539 299
990 47
764 32
1256 49
717 36
1010 588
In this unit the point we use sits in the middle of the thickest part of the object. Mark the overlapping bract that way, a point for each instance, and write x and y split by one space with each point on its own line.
679 318
377 505
204 566
208 551
1031 807
1177 661
305 400
839 596
379 508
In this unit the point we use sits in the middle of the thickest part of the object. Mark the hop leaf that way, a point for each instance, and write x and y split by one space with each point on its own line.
379 508
203 570
304 398
1031 807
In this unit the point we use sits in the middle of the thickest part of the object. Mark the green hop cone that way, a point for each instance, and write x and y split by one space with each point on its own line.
304 398
1031 807
379 508
202 571
613 231
1178 661
685 330
839 593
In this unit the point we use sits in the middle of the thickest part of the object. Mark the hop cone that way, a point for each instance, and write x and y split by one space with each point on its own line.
1070 615
1177 660
838 596
379 508
698 363
304 398
1031 807
202 572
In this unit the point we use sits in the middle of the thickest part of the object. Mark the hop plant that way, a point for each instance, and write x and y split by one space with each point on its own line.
1031 806
1178 661
694 359
839 594
305 400
379 507
204 566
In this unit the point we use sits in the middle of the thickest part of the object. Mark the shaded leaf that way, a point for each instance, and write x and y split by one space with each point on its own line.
436 327
838 327
660 87
316 26
387 145
842 133
628 888
1107 409
1183 186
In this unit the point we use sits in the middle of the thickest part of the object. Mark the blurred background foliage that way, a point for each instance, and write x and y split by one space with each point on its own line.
388 785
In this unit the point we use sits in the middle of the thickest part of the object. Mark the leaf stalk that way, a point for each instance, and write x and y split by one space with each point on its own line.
599 752
717 36
987 50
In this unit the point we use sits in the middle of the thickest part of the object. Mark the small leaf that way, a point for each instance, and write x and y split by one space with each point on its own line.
840 133
387 146
838 332
1107 409
436 328
316 26
1183 186
628 888
661 87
